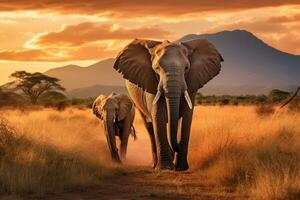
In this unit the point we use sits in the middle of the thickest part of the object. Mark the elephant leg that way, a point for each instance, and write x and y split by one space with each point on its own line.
159 119
111 141
124 142
149 127
181 163
125 132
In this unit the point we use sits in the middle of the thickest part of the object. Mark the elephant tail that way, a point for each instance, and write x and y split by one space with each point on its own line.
133 132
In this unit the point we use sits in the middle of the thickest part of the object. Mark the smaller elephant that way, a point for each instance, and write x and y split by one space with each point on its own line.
116 112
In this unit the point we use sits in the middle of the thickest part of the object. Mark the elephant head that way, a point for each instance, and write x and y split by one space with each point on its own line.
172 70
111 109
114 107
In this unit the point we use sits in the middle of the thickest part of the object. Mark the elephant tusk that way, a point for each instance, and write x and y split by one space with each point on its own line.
188 100
156 98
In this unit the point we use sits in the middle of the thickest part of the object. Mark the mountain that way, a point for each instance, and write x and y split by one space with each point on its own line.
250 64
250 67
74 77
95 90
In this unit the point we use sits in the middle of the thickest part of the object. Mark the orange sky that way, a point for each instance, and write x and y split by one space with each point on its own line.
39 35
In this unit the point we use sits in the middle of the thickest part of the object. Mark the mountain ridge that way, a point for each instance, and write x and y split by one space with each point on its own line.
250 63
95 90
99 73
195 36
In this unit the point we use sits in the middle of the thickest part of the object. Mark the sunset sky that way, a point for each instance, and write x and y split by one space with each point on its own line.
39 35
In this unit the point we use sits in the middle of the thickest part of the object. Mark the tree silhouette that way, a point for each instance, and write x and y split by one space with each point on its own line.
277 96
33 84
292 97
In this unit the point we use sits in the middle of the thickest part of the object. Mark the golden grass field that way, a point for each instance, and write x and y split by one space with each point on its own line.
234 154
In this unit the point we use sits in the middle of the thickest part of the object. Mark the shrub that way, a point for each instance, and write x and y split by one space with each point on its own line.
7 137
34 167
11 99
224 102
261 99
61 105
264 110
235 103
198 98
51 97
277 96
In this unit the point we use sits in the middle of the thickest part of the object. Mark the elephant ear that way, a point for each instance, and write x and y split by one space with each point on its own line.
125 106
134 63
97 106
205 63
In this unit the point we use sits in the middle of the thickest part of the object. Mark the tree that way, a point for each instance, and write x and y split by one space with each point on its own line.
260 99
296 102
33 84
277 96
198 98
8 98
50 97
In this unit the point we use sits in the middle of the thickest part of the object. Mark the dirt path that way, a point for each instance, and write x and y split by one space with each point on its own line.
144 183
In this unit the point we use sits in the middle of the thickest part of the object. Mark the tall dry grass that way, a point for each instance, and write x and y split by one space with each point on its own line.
50 151
259 156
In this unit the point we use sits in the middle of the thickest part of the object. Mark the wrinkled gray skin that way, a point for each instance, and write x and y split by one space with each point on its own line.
162 79
116 112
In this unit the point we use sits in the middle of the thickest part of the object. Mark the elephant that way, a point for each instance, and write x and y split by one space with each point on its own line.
162 79
117 113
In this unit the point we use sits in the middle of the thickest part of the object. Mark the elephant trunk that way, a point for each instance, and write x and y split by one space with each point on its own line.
110 137
173 115
173 87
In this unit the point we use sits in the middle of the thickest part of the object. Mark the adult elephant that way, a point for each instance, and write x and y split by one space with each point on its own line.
162 79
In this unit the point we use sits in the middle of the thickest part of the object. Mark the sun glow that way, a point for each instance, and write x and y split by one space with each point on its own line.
27 31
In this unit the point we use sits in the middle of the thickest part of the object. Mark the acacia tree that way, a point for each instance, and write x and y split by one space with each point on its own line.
33 84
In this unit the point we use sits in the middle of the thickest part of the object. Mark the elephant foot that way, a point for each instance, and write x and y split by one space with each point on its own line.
181 166
123 158
154 165
163 166
181 163
116 159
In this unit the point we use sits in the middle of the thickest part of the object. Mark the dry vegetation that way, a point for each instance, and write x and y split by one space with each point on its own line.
233 146
49 151
257 156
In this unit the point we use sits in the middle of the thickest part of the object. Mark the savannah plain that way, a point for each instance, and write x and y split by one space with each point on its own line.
235 152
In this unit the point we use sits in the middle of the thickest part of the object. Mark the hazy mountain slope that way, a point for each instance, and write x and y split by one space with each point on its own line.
251 67
100 73
250 61
96 90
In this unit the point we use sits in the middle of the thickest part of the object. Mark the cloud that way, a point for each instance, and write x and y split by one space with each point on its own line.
135 8
285 19
89 52
22 55
80 34
84 41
